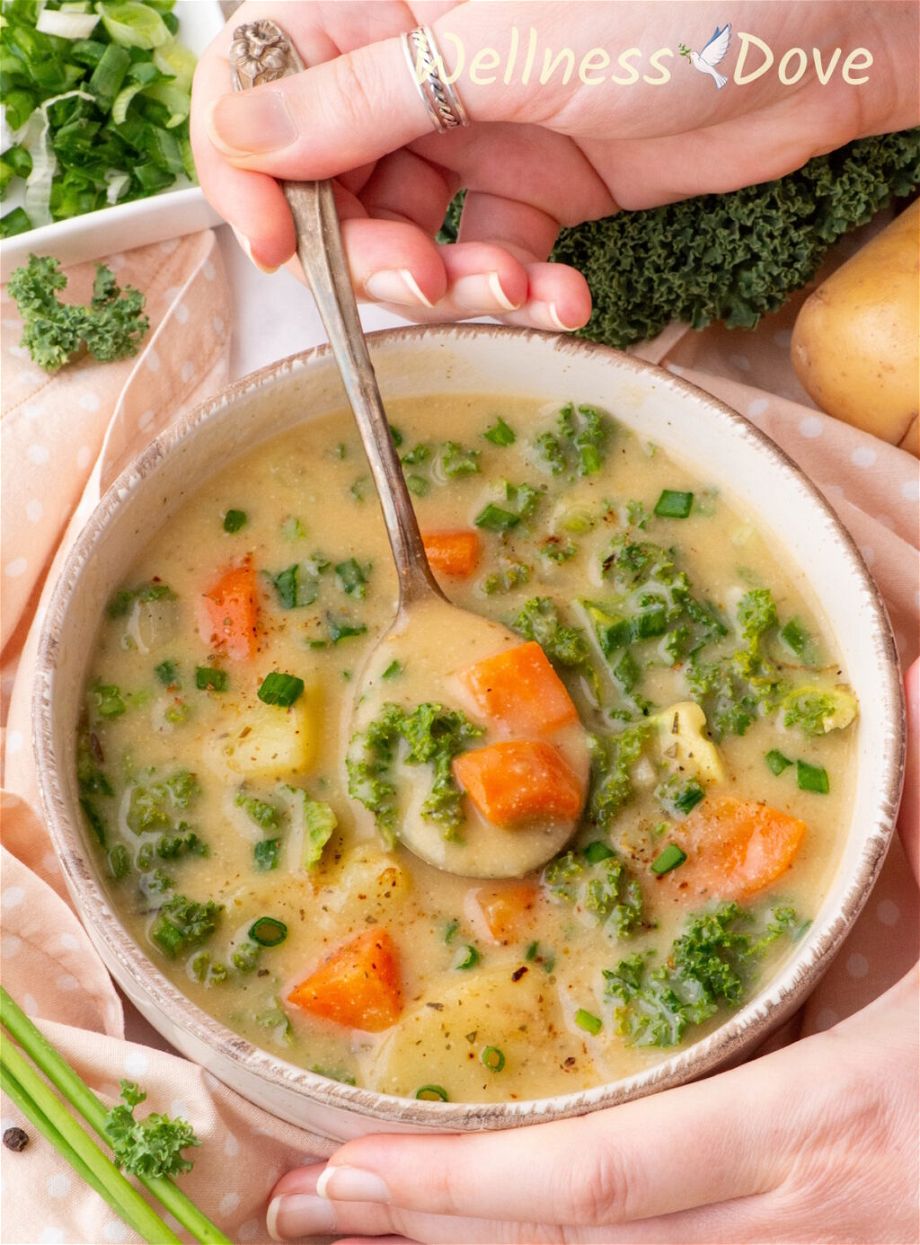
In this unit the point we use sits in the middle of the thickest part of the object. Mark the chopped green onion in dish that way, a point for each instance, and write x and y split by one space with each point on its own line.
467 957
596 852
590 1023
234 520
432 1093
97 100
268 932
208 679
669 859
492 1058
673 504
776 761
281 689
812 778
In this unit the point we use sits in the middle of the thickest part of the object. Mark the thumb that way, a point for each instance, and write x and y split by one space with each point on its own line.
338 115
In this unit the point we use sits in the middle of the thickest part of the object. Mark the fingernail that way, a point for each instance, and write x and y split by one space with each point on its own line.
557 320
251 123
396 285
246 248
299 1214
352 1184
481 292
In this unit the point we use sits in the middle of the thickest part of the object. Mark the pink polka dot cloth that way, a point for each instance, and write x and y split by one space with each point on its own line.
64 440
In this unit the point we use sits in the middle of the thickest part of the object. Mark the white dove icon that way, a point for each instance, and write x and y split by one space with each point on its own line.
711 55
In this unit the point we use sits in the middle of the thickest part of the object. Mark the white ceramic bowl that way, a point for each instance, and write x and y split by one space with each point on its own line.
693 428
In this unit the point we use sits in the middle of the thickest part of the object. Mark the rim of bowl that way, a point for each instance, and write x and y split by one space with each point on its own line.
776 1001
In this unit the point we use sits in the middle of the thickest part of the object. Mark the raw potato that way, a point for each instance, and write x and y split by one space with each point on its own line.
856 343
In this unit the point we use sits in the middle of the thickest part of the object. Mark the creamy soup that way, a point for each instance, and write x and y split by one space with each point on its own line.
656 708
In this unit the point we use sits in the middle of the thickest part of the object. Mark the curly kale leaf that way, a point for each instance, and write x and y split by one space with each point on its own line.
740 686
111 327
578 445
732 257
606 888
433 735
150 1147
711 965
612 760
153 805
183 923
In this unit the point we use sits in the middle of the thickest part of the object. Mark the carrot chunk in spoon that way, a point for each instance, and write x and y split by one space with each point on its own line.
519 781
520 690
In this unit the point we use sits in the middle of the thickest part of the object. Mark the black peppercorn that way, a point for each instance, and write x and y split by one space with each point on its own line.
15 1139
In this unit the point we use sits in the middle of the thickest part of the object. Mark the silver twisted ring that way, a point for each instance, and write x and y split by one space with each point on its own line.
423 56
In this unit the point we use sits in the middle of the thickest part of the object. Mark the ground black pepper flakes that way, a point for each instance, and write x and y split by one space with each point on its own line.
15 1139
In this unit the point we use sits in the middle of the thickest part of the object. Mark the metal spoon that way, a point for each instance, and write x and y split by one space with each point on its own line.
436 636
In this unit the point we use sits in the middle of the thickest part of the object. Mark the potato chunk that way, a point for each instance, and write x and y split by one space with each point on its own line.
270 742
683 745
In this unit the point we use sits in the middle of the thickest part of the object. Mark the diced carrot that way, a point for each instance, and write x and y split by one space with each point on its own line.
358 985
504 910
520 690
452 553
228 613
519 780
735 848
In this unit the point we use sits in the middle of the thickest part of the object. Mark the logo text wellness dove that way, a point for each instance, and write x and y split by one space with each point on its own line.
525 61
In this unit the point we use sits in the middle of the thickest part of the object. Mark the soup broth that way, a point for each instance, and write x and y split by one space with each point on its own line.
249 813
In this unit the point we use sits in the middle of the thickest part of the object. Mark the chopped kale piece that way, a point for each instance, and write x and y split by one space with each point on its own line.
182 924
709 966
578 446
433 735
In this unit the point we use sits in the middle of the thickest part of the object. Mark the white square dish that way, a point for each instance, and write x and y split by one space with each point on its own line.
169 214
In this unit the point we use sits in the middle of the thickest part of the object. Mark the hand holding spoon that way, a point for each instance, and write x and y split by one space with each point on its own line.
429 636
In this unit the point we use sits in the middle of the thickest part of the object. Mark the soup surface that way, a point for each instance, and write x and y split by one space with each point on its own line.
660 701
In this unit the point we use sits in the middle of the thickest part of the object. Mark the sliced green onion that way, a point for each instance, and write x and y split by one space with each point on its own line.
673 504
500 433
669 859
493 1058
280 689
418 485
467 957
134 25
66 25
432 1093
266 854
268 932
167 672
450 930
209 679
597 851
776 762
495 519
812 778
392 670
590 1023
234 520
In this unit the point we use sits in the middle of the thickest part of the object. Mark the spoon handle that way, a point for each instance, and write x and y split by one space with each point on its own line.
262 52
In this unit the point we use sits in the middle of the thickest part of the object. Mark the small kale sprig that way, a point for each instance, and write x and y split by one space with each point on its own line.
54 333
149 1147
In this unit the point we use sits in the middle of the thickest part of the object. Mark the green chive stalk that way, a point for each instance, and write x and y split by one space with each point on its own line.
94 1111
122 1196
